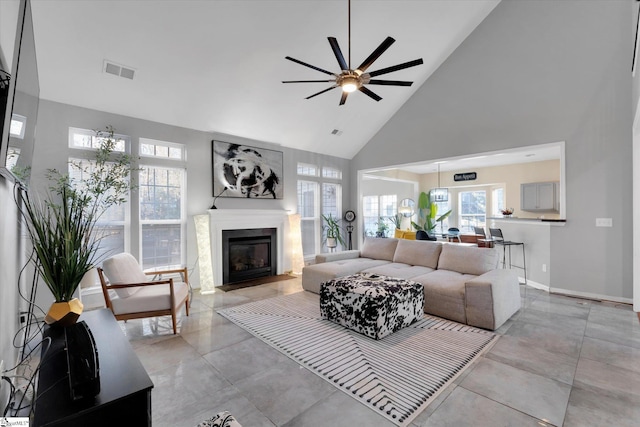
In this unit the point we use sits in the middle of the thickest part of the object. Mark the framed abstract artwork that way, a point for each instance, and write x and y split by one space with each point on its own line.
248 172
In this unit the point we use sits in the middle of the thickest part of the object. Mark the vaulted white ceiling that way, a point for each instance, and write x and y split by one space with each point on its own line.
217 66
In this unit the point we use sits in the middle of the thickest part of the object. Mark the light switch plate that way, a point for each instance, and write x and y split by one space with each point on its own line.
604 222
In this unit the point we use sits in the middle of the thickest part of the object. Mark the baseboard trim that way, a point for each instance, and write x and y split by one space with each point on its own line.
577 294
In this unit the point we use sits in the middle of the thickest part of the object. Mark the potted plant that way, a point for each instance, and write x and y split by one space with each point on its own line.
428 214
62 225
332 231
383 227
396 220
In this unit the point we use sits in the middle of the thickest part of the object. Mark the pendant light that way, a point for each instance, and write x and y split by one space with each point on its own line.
440 194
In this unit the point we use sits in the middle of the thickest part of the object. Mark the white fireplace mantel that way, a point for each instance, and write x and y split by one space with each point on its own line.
239 219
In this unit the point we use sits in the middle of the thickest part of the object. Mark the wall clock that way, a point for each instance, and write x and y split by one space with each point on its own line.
349 216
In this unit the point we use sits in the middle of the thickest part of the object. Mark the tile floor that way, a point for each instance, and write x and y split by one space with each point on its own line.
560 361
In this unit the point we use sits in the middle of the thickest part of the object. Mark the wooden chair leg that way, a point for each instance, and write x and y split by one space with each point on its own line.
186 306
173 320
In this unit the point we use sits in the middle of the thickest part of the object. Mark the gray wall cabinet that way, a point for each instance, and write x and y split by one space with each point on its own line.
539 197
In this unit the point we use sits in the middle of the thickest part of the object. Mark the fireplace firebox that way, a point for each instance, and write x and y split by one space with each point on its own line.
248 254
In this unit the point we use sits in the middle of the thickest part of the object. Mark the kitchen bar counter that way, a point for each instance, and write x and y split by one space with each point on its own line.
535 233
538 220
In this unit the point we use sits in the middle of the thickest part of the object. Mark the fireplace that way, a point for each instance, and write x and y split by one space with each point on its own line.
248 254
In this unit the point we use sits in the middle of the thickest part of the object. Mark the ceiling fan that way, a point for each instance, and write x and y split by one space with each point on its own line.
351 80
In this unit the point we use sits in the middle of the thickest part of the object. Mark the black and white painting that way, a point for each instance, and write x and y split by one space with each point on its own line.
245 171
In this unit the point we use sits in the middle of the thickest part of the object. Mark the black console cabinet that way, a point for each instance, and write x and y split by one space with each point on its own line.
125 387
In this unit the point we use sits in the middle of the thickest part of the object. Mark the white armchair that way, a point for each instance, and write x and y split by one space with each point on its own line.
136 296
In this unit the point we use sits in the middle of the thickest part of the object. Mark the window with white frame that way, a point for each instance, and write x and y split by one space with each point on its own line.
307 169
85 139
161 191
161 149
308 208
379 209
443 208
334 173
17 126
157 234
497 198
319 192
472 208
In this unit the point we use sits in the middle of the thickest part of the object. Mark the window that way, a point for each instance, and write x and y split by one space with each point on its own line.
307 169
111 228
376 209
498 200
161 149
308 209
152 225
370 214
472 208
331 173
18 125
87 139
161 212
317 194
443 208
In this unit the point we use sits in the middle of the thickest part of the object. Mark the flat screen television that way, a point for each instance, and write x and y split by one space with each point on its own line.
20 108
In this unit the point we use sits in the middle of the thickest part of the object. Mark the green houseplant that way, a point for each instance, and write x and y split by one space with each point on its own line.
332 231
383 227
62 224
428 214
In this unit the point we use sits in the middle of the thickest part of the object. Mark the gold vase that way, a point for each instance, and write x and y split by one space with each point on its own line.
64 313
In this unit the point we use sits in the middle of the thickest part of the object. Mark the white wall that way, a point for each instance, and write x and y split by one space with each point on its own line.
537 72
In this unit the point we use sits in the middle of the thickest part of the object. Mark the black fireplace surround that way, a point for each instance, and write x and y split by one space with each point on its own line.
248 254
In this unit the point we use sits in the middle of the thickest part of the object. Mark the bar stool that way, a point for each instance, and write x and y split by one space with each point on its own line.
498 238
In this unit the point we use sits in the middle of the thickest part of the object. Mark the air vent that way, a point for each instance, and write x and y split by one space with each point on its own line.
110 67
336 132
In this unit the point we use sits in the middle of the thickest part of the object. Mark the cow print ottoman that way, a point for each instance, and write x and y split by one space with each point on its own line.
371 304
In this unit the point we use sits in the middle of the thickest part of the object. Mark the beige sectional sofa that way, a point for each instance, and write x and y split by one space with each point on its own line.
461 283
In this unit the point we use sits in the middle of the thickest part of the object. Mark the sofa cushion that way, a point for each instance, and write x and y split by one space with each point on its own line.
418 252
122 269
399 270
314 275
444 294
467 259
379 248
151 298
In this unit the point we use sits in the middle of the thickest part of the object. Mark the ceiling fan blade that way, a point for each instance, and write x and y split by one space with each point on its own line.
376 53
343 98
338 53
369 93
396 67
390 82
321 92
297 61
308 81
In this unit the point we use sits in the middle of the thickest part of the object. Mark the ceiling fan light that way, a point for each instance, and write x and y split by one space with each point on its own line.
349 87
349 83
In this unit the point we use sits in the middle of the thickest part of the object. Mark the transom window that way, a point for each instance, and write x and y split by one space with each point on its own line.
307 169
161 149
87 139
331 173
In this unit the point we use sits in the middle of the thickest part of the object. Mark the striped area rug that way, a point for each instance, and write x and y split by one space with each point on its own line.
397 376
